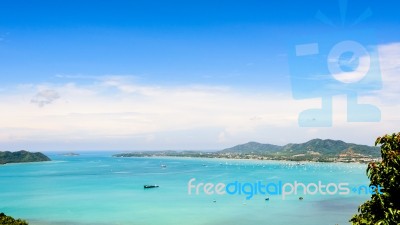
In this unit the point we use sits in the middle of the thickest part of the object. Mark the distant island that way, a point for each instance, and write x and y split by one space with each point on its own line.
22 157
315 150
69 154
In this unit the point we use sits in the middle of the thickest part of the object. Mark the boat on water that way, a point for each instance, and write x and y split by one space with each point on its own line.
150 186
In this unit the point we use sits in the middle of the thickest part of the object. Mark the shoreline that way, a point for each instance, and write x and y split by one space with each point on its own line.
243 159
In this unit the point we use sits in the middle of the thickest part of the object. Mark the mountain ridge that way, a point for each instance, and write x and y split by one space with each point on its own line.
317 150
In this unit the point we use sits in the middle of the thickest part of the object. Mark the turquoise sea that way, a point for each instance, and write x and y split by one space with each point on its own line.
95 188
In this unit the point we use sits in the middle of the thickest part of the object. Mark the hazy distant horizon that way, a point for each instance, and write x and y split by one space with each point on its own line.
78 150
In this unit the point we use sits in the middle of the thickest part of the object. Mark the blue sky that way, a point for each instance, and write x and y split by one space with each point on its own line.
74 54
167 41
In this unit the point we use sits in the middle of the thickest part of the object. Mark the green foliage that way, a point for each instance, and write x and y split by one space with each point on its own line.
22 156
383 209
8 220
325 147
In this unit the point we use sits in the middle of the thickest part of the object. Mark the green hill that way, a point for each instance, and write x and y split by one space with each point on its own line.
315 149
22 156
331 148
252 147
8 220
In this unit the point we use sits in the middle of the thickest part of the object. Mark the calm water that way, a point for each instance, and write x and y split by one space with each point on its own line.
95 188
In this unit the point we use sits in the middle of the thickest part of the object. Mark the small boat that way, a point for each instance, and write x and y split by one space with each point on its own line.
150 186
301 198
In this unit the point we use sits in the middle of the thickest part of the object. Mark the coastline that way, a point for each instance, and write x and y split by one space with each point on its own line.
292 162
24 163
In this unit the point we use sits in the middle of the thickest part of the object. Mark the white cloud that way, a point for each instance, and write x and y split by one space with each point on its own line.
45 97
390 69
96 112
116 112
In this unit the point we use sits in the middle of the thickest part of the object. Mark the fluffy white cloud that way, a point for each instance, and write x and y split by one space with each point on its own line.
115 109
115 112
